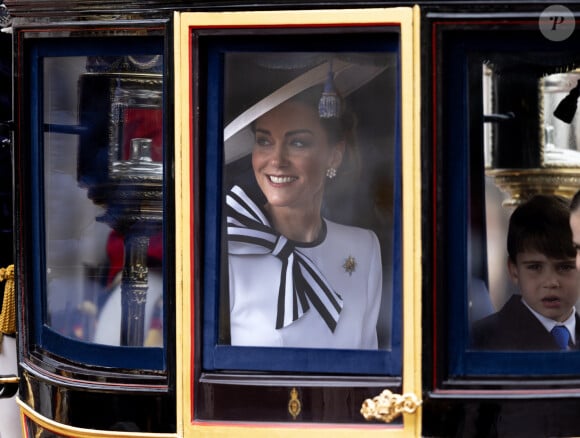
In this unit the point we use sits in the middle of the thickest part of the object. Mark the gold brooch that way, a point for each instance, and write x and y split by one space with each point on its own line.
349 265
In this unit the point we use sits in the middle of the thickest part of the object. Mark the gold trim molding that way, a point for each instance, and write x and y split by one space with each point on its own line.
77 432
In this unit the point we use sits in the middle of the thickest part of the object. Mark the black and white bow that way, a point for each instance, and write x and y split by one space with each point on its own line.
301 283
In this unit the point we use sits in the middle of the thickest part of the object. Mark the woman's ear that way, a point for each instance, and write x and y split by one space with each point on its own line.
337 154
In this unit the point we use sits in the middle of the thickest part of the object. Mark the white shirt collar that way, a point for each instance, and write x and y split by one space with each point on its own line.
549 324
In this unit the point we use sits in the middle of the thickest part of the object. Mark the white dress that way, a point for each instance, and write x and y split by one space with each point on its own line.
253 290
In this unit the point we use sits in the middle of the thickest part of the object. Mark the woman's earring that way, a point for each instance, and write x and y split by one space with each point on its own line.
330 172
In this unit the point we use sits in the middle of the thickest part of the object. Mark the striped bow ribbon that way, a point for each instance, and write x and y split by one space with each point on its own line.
301 283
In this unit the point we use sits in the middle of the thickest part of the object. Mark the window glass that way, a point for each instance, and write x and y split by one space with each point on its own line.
305 205
507 190
503 141
284 155
102 191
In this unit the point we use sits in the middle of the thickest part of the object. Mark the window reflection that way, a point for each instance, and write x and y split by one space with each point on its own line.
103 178
519 166
561 137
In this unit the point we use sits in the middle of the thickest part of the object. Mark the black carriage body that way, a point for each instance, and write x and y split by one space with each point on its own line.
476 153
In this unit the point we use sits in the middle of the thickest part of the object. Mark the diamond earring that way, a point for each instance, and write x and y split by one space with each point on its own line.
330 172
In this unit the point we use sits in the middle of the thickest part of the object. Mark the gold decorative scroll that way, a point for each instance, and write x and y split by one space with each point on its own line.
387 406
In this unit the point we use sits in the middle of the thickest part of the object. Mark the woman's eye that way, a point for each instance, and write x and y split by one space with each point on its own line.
262 141
300 142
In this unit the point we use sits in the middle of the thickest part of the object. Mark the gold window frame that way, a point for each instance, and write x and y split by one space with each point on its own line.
408 21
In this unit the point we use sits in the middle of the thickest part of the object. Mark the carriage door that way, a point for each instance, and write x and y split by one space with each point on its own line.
271 350
92 233
498 128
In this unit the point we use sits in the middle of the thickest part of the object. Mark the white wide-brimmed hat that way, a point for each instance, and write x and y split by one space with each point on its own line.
350 73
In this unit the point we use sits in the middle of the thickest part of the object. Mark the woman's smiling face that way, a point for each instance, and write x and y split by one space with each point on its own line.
291 154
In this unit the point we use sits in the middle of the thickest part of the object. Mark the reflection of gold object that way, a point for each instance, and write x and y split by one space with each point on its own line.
127 179
8 386
349 265
521 184
387 406
294 405
5 380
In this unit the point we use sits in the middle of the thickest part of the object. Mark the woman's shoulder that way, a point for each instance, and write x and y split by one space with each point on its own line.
349 230
350 233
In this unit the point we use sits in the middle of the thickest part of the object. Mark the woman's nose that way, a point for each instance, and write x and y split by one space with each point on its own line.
279 155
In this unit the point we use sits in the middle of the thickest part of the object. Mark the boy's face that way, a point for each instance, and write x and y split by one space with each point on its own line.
549 286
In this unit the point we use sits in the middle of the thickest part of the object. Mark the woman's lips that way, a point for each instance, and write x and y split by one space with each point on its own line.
281 179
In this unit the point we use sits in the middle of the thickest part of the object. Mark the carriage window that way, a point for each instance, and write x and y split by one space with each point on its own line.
100 197
506 190
306 179
297 146
518 140
309 251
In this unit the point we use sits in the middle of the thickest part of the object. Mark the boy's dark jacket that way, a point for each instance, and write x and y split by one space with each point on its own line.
514 327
